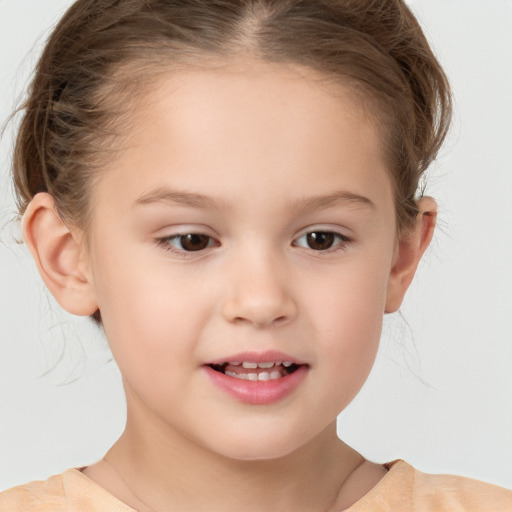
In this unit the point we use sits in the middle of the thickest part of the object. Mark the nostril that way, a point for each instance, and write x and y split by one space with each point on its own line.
262 324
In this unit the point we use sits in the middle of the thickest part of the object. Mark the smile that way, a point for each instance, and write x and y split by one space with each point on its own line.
252 371
257 378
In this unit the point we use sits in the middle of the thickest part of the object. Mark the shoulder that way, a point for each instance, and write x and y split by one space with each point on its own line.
453 493
35 497
71 490
407 489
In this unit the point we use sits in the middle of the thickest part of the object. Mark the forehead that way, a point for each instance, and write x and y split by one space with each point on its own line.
249 128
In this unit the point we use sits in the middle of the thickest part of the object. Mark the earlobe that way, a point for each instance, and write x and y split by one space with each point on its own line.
58 256
410 249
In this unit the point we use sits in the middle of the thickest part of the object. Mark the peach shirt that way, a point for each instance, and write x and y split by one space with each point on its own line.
403 489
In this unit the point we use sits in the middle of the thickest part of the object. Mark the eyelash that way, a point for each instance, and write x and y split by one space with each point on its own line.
165 243
339 242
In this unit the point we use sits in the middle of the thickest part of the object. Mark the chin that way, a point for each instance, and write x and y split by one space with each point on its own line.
259 445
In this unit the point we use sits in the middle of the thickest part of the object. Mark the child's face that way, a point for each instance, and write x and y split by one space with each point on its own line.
262 165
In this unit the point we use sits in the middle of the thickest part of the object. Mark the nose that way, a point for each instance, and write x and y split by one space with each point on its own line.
258 293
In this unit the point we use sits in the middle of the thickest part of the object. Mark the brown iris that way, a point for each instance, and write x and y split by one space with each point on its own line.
320 240
194 242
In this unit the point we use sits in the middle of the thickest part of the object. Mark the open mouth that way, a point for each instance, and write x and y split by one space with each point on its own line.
256 372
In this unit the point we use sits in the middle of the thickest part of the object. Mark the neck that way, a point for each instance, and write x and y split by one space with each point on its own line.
170 472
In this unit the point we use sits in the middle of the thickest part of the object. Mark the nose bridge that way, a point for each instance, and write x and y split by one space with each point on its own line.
257 291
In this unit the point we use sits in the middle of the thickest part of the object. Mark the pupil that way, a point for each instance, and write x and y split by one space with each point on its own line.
320 240
194 242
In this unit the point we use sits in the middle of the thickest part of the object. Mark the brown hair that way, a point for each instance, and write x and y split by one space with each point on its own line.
103 52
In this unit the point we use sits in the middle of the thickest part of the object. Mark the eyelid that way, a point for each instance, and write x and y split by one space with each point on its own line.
343 240
164 242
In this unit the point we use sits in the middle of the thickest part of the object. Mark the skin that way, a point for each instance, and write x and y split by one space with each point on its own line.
274 155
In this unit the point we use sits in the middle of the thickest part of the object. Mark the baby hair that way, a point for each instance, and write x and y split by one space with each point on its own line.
103 54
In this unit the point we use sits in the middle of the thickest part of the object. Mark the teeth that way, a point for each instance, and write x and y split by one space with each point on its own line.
272 366
266 365
263 376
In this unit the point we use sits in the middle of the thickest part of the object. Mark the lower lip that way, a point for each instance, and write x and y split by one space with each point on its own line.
258 392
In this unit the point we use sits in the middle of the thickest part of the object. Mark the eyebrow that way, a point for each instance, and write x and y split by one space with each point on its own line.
190 199
168 196
326 201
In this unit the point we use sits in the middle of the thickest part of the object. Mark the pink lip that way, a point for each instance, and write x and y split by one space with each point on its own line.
257 392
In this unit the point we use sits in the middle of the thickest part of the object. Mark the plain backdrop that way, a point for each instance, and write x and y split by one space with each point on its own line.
440 395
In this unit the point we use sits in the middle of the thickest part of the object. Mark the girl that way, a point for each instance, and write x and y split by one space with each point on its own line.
230 190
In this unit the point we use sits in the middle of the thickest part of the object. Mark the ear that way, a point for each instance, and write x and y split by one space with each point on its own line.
58 255
410 249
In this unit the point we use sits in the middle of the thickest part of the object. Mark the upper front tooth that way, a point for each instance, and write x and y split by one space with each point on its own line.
247 364
265 365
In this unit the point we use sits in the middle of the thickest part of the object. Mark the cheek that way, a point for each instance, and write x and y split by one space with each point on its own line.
348 319
146 314
350 301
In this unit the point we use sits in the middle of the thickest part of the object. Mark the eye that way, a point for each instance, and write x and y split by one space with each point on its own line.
189 242
321 240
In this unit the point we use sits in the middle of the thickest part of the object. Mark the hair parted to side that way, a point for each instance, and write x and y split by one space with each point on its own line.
105 53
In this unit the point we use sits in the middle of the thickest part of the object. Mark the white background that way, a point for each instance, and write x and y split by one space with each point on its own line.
440 395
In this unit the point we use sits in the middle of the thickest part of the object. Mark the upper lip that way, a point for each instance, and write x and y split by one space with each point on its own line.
257 357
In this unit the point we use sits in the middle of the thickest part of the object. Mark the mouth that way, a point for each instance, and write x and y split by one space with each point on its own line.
256 371
257 378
